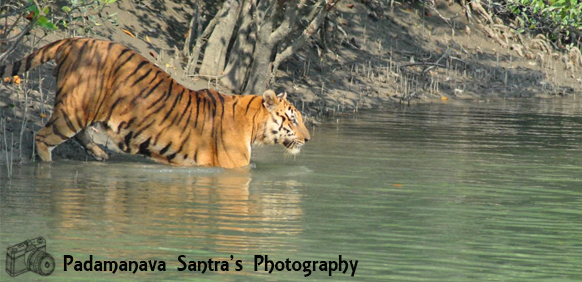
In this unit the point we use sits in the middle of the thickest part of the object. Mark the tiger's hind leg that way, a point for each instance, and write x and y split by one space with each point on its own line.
57 130
84 137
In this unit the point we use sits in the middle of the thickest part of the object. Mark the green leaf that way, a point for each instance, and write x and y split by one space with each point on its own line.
33 9
110 1
46 10
66 9
45 23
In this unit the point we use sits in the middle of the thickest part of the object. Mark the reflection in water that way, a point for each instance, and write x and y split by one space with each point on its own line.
178 203
477 192
141 211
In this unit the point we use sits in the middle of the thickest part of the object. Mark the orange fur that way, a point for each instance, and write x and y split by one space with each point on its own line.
145 111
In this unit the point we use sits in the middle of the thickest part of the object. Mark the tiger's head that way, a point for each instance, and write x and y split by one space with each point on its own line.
285 124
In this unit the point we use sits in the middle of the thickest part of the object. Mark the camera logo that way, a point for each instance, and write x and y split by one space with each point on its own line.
29 255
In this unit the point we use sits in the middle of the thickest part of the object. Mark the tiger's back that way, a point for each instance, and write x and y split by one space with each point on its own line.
145 111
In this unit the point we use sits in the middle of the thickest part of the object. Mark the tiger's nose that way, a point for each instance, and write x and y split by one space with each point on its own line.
306 139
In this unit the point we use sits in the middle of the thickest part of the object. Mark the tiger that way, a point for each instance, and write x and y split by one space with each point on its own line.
144 111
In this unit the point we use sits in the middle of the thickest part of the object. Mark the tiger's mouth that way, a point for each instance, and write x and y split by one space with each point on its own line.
292 146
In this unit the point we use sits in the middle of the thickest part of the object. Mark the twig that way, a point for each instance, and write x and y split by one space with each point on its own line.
423 64
17 40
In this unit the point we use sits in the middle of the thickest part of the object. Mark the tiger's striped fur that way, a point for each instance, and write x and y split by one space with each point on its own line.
145 111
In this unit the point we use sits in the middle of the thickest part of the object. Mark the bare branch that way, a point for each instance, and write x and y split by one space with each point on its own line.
287 25
298 43
12 47
192 28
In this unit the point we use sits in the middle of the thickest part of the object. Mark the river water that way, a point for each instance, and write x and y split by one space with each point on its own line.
442 192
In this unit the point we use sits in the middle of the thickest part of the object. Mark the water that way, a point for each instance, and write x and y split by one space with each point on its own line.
470 192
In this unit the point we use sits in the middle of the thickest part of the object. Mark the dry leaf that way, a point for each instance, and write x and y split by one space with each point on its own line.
153 55
148 38
43 115
30 16
16 79
128 32
397 185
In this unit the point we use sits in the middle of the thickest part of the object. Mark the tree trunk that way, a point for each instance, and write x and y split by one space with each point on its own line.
260 69
216 49
257 28
240 56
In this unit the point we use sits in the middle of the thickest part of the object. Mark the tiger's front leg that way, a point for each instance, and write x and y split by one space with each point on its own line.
57 130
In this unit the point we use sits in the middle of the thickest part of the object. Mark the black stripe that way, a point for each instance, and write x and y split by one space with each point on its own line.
43 50
80 122
253 123
122 147
160 132
165 149
41 54
249 104
213 103
51 122
130 122
154 112
82 49
158 100
123 52
113 108
143 148
16 67
171 110
187 124
57 132
204 115
139 66
62 59
221 98
197 110
155 103
68 121
141 77
120 126
169 93
170 157
184 142
122 64
179 99
136 98
128 138
28 62
139 132
233 107
186 109
155 76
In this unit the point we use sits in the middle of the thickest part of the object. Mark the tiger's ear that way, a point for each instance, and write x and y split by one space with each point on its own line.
283 96
270 100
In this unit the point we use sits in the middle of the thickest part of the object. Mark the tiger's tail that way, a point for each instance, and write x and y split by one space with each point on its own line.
34 60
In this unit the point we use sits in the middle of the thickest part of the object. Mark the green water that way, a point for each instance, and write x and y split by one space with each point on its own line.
473 192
